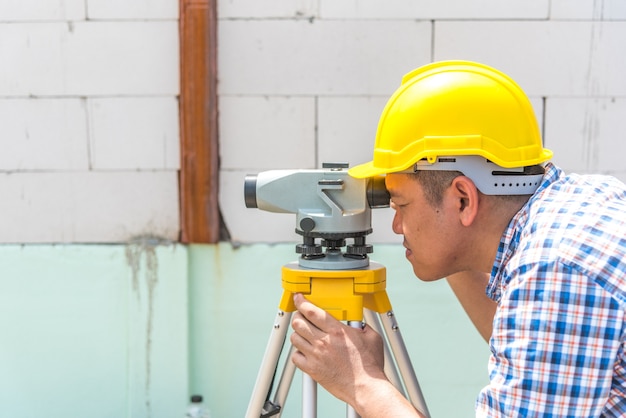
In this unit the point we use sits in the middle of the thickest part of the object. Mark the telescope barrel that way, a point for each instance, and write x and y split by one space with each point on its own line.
377 194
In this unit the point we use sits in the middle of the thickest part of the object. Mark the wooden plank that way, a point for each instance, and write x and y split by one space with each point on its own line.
198 122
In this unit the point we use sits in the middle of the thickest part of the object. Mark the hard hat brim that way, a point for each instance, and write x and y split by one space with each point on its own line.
366 170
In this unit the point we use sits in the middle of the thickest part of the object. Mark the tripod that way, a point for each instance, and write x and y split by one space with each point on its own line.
349 290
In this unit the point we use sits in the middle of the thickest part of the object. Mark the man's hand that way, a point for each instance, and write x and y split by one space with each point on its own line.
348 362
338 357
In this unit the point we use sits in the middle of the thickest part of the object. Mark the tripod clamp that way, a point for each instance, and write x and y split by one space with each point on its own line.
341 293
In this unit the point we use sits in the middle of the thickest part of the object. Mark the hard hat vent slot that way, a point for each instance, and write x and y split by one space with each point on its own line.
529 184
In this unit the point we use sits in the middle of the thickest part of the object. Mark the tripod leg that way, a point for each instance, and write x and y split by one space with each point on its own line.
309 397
391 371
282 390
268 365
401 355
309 391
350 412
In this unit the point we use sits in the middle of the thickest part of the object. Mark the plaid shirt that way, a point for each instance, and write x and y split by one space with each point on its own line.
557 348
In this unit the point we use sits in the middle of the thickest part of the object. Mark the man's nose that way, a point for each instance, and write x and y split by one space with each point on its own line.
396 224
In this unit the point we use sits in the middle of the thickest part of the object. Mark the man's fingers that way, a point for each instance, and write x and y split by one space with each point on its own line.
312 313
303 327
298 341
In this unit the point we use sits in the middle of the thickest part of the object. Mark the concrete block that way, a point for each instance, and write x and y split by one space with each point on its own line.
319 57
37 10
135 9
588 9
27 49
43 134
433 9
347 128
262 133
246 9
132 58
134 133
565 133
88 207
89 58
609 117
546 58
586 135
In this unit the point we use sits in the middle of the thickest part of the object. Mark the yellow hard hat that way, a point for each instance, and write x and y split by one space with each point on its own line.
455 108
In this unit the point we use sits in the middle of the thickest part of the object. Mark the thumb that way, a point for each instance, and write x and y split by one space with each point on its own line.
298 299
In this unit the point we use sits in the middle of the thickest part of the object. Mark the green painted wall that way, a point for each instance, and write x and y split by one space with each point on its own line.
132 330
93 330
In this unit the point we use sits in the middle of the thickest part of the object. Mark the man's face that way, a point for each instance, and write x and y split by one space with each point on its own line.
428 231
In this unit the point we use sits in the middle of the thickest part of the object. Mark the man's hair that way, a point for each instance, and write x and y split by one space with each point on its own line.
434 183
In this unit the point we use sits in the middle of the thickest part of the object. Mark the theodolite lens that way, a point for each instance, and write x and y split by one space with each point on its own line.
377 194
249 191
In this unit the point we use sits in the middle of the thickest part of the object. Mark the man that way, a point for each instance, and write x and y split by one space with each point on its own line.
537 258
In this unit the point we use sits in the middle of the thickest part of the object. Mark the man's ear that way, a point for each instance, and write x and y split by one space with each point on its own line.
466 196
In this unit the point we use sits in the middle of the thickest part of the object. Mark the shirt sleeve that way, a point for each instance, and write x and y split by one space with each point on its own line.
556 337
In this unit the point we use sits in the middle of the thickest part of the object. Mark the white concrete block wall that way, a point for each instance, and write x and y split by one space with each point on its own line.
286 125
43 134
547 58
132 10
88 120
139 133
319 57
88 93
87 206
434 9
590 132
588 10
41 10
341 59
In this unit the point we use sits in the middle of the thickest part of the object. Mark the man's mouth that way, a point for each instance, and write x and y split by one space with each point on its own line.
408 251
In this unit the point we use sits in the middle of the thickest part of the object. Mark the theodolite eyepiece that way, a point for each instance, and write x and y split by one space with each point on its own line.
377 194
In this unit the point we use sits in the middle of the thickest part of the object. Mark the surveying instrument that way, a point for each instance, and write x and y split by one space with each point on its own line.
330 206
